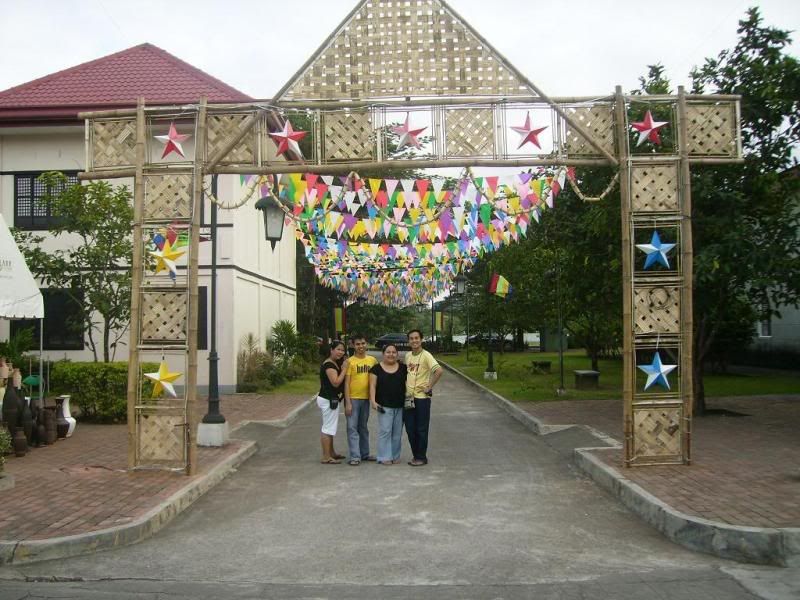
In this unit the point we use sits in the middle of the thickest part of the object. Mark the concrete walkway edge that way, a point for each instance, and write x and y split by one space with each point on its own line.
17 552
282 423
759 545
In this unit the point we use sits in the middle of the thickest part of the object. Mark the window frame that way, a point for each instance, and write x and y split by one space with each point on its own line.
30 221
76 344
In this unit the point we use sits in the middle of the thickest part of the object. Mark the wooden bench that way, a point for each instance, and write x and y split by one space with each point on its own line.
587 379
540 366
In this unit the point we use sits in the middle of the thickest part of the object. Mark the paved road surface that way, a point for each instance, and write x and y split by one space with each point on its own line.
498 513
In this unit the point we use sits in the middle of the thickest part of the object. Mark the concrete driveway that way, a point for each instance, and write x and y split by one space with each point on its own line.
498 513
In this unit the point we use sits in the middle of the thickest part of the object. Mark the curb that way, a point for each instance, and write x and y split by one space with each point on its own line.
758 545
18 552
282 423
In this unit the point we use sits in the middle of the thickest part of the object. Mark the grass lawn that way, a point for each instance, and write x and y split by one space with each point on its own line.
308 384
516 381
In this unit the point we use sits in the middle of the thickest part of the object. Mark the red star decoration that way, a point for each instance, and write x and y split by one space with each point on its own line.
408 136
287 139
648 129
172 141
527 134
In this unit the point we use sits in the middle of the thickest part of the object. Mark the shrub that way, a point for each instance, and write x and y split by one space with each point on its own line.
99 389
5 446
253 366
284 343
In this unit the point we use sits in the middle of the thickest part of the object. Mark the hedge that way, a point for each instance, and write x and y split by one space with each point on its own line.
98 389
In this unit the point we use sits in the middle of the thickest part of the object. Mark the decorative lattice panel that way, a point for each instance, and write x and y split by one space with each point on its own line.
409 48
113 143
347 135
161 437
657 432
168 197
221 129
712 129
164 317
597 121
470 132
656 310
654 188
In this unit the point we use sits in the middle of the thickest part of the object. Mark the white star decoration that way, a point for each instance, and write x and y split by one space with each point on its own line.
527 134
657 372
172 141
648 129
408 136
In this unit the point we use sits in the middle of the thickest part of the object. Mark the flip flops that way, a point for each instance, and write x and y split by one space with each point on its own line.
331 461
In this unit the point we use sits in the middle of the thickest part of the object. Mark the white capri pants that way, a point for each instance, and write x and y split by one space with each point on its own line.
330 417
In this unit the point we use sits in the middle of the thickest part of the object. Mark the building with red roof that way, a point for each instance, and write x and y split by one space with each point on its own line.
40 131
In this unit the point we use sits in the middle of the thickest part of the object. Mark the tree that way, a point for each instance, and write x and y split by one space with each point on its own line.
746 217
95 271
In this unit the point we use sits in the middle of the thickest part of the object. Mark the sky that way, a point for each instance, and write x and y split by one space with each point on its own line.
566 47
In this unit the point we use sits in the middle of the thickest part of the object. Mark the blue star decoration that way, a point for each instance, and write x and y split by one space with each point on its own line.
656 251
657 372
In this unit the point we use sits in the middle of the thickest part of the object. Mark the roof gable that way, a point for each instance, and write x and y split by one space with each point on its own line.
116 80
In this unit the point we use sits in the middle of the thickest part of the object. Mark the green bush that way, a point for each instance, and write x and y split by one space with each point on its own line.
5 446
99 389
259 371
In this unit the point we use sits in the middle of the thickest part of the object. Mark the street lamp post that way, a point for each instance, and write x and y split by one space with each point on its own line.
213 430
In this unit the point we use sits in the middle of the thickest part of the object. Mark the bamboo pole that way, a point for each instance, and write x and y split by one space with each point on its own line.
110 174
194 251
687 268
136 285
627 274
405 164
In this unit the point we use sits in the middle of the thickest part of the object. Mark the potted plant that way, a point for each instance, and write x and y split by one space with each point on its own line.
6 480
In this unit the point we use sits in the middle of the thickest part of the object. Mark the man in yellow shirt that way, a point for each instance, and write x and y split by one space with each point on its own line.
356 401
423 374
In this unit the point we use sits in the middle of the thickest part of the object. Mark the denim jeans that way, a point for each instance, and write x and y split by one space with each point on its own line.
417 422
390 434
357 432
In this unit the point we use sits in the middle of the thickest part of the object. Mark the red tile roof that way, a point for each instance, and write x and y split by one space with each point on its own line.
113 81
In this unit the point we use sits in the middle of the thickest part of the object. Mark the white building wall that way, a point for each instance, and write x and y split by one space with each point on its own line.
255 285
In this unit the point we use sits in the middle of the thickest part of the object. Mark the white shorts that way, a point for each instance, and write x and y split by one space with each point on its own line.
330 418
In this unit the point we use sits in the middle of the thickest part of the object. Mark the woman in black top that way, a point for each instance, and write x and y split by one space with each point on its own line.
387 393
331 391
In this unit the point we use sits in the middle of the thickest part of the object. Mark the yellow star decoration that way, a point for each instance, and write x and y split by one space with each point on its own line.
163 380
166 257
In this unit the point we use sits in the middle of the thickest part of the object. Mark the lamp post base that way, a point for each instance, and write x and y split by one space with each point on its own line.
490 375
212 434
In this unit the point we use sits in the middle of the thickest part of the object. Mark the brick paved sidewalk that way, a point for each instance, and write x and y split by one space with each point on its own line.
81 484
745 471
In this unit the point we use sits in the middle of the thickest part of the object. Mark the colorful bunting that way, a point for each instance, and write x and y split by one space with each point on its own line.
499 286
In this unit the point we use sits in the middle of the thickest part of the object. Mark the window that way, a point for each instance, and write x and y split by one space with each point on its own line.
765 325
31 211
63 327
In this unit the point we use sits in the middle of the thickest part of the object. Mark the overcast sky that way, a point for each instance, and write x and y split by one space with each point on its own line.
566 47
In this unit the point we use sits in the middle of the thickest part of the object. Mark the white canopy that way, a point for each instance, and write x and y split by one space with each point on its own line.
20 297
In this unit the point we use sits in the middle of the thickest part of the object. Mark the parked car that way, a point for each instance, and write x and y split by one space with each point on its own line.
398 339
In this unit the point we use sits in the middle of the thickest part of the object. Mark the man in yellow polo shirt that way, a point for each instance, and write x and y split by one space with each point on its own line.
356 401
423 374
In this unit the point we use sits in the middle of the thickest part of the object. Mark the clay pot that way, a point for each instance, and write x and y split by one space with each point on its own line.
17 378
20 443
10 409
3 368
51 431
41 431
62 425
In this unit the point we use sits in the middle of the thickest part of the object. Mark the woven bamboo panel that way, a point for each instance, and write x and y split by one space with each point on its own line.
470 132
164 317
347 135
654 188
168 197
223 127
657 432
656 310
113 143
712 129
409 48
161 438
598 121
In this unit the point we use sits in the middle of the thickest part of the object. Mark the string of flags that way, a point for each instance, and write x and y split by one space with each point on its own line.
499 286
